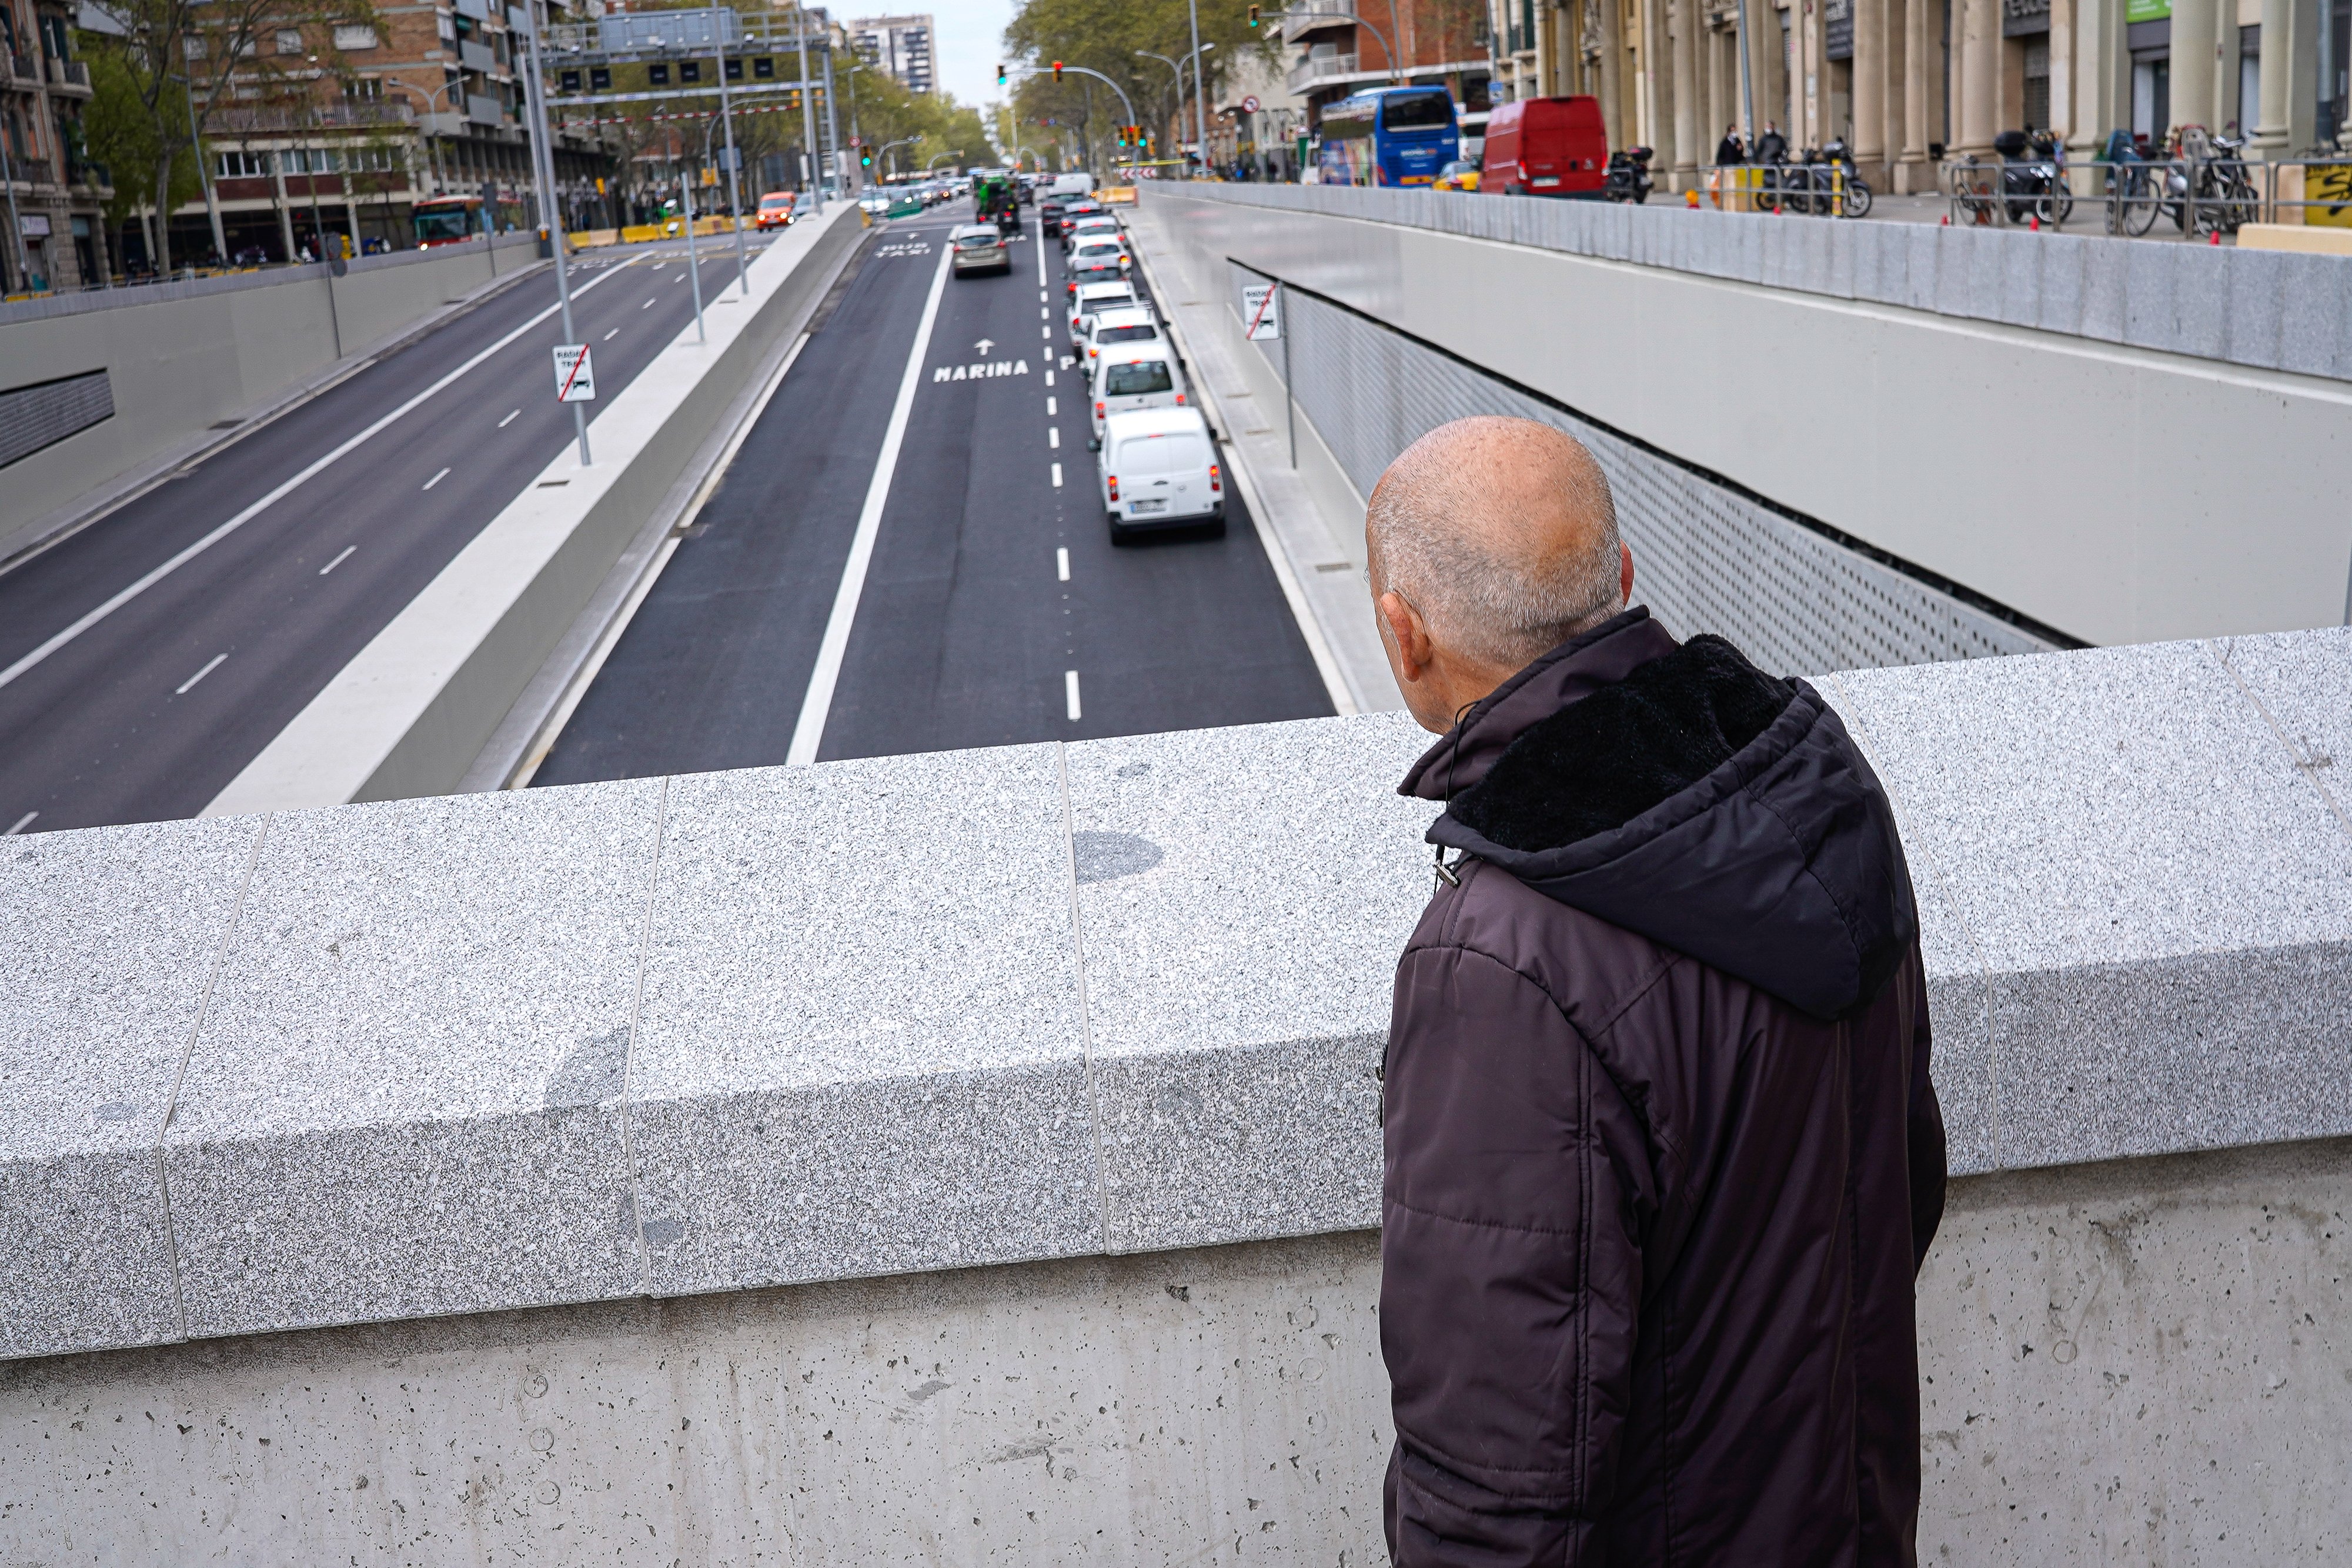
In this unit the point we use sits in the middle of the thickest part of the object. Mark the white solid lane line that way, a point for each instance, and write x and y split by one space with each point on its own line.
338 560
262 505
510 418
437 479
613 334
816 706
22 823
1062 562
1054 436
214 664
1070 690
1057 475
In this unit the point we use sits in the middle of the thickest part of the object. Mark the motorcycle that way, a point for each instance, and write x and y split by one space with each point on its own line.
1848 189
1629 176
2033 182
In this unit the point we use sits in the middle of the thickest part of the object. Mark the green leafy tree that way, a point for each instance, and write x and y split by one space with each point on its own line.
1106 36
120 134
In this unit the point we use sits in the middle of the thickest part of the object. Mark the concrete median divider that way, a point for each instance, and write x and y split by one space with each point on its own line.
411 713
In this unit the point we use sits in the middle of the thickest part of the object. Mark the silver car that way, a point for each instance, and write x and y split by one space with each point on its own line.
979 247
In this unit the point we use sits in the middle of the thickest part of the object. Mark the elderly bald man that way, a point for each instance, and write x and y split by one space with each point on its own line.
1663 1155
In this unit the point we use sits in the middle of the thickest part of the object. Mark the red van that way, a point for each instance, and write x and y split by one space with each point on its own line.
1546 147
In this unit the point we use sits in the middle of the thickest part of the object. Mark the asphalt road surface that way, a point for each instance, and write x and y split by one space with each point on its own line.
994 609
151 708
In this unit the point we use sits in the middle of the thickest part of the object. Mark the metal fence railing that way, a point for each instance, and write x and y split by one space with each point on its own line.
2197 197
1806 190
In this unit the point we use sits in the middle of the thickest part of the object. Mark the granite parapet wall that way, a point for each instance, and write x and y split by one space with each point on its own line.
726 1030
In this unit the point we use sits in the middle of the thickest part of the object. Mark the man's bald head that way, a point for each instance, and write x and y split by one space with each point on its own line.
1501 533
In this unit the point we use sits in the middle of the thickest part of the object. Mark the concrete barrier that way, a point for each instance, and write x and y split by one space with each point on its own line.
453 1102
2111 492
411 713
183 359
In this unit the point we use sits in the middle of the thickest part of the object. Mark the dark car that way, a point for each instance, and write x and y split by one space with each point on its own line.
1083 207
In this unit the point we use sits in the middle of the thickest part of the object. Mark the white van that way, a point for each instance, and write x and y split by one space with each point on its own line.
1131 376
1073 186
1157 468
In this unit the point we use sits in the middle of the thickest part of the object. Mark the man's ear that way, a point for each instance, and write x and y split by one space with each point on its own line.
1406 634
1625 575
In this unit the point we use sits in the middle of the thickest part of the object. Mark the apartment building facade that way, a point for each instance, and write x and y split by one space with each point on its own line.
901 46
56 196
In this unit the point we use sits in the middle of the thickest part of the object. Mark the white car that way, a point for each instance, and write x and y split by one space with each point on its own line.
1111 325
1157 468
1094 296
1096 225
1132 376
1095 251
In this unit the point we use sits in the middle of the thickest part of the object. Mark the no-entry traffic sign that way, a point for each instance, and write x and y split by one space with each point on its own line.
575 377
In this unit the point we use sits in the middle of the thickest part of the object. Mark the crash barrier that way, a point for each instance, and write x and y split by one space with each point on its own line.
2197 196
601 1118
1650 326
675 228
186 359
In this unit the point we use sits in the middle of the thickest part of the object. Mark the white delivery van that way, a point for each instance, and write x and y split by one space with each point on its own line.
1080 184
1157 468
1137 376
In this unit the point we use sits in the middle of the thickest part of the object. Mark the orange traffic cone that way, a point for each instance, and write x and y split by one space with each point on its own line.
1690 199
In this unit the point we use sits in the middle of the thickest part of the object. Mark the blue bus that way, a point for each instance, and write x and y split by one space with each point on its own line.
1389 136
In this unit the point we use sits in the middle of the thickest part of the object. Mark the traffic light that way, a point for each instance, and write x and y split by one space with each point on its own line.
1252 15
1000 76
1057 70
865 159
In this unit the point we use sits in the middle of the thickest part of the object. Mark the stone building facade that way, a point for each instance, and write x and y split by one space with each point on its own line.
1910 81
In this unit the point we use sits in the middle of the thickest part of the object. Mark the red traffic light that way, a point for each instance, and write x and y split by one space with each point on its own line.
1057 70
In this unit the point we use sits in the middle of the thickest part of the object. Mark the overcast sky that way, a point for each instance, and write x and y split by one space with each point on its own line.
971 46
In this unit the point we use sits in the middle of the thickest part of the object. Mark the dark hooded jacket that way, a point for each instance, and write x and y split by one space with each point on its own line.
1663 1156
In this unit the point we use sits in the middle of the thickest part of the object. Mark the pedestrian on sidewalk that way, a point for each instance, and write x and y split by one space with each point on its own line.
1663 1156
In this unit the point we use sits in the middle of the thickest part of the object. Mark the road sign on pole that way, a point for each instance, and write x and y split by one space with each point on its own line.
575 377
1262 309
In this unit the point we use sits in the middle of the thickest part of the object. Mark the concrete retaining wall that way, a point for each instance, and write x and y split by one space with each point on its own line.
183 357
2113 492
2138 1361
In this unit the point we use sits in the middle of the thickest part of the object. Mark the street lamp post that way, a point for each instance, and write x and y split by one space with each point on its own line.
832 120
734 176
808 106
535 104
212 197
1200 93
1197 89
432 143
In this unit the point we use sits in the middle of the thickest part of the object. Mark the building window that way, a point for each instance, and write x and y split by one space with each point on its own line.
352 36
368 88
243 165
289 40
2037 83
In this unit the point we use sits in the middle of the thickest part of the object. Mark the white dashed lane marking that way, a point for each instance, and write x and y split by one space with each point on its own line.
212 665
1070 690
1062 562
437 479
338 560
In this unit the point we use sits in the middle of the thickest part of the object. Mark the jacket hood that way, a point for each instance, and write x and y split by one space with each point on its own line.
1689 797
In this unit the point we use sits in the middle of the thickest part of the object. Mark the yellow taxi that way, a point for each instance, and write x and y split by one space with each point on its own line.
1458 175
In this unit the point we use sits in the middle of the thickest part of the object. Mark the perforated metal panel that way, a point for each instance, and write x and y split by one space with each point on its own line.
1706 558
44 414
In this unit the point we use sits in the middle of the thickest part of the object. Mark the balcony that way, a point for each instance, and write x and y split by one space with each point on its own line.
18 71
1304 18
70 78
1320 68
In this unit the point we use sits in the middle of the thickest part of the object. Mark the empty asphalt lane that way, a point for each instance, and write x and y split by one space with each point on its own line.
99 732
967 631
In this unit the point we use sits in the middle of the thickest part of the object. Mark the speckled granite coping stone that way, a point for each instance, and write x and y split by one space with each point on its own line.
2275 310
735 1030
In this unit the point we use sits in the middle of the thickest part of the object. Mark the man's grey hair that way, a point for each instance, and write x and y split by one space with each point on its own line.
1502 533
